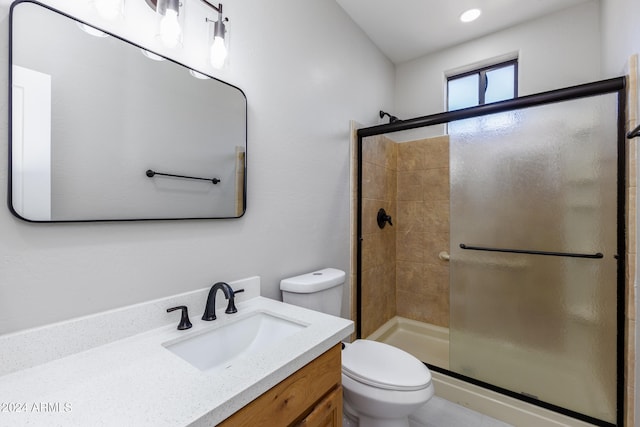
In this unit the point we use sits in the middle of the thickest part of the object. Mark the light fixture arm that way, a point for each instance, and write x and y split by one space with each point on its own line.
217 9
219 26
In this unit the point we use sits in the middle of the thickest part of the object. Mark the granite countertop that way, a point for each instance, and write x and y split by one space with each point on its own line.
136 381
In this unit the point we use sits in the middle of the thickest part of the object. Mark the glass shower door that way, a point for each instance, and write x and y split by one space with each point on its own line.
533 252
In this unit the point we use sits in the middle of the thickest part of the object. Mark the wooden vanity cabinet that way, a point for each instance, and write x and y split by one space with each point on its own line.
310 397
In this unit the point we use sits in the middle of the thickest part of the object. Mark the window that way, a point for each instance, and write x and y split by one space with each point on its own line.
483 86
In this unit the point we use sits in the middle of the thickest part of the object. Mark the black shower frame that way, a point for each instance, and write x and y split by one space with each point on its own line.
615 85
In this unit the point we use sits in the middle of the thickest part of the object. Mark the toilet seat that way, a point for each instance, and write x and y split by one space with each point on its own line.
383 366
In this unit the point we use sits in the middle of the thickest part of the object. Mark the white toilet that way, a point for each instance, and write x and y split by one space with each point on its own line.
382 384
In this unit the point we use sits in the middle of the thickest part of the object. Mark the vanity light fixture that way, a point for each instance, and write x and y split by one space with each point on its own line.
170 28
470 15
109 9
219 46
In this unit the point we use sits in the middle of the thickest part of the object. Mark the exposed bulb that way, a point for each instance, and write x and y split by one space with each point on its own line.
108 9
218 52
170 28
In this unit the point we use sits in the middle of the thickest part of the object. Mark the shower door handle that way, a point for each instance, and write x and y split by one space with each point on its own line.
597 255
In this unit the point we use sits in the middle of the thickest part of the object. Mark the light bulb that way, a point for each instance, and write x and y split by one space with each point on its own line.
108 9
170 28
218 52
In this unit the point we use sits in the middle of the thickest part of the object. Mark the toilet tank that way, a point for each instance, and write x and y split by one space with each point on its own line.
320 290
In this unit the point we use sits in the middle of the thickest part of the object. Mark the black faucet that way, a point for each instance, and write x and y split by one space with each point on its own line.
210 308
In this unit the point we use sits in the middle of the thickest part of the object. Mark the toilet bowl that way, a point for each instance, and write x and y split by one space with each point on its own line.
382 385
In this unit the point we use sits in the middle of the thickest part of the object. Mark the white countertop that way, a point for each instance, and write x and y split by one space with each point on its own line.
135 381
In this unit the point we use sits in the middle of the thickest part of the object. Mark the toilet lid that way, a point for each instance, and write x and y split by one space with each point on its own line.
383 366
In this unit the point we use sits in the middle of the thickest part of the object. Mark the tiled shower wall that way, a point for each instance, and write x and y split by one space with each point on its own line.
400 265
422 278
379 190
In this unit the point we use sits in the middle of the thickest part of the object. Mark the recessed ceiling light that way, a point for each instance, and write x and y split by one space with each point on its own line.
470 15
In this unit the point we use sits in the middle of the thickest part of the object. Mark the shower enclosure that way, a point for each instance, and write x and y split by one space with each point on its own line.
507 244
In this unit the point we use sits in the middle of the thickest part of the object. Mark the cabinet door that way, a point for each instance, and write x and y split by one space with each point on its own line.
327 413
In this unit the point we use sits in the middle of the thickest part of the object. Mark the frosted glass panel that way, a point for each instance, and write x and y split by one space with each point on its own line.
500 84
541 179
463 92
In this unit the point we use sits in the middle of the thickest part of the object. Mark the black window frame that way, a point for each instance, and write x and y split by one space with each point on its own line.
482 79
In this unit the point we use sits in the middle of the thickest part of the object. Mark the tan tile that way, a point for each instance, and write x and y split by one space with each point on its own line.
432 309
630 286
411 156
436 279
629 407
378 249
410 186
391 185
410 246
436 216
410 217
629 372
631 220
378 297
632 162
409 275
630 345
437 152
379 150
436 184
373 181
377 182
632 88
353 309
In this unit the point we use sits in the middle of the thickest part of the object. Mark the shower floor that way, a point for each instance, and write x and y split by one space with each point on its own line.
430 344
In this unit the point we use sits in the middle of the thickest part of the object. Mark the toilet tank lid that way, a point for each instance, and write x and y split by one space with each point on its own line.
313 282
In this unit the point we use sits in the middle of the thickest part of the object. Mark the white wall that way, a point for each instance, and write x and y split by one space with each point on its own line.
554 51
306 70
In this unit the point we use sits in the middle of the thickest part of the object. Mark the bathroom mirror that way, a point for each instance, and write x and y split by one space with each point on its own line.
102 130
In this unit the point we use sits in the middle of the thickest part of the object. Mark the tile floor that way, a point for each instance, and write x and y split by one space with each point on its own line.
439 412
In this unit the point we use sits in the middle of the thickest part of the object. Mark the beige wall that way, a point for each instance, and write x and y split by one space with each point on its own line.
422 279
401 272
379 190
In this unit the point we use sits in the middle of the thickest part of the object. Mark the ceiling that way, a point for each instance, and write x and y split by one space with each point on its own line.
407 29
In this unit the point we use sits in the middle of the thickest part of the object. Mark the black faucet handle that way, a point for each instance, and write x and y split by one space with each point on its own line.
231 306
184 319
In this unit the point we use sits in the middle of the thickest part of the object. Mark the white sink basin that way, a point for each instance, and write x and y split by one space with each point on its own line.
217 348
